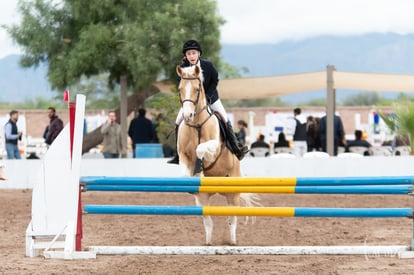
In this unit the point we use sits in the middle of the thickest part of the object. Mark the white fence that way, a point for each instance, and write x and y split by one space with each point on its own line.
21 173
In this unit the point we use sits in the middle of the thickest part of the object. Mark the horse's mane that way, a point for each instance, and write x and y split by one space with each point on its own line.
189 72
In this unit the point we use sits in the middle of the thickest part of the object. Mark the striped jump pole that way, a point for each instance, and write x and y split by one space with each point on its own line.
249 211
354 189
248 181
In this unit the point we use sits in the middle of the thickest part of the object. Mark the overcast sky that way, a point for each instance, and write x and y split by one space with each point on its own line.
270 21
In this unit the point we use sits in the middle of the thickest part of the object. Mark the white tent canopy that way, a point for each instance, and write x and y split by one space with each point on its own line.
279 85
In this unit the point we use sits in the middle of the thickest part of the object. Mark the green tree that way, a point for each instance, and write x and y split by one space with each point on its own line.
97 92
166 105
137 39
402 122
363 99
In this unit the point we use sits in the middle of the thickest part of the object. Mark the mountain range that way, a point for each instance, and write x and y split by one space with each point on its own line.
372 53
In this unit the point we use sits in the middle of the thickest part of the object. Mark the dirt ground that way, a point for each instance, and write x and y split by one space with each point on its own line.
174 230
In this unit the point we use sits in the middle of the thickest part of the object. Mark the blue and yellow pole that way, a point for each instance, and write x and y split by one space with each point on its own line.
369 189
249 211
248 181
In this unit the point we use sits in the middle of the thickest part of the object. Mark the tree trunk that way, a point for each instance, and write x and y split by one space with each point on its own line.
136 100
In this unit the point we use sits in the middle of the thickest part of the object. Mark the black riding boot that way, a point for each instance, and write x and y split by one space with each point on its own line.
175 159
236 147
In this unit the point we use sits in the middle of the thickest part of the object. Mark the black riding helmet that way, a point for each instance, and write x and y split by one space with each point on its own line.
192 45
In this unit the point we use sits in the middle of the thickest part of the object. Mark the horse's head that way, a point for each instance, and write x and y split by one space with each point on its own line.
191 91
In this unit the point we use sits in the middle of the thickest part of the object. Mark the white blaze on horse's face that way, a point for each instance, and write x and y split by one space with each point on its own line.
188 106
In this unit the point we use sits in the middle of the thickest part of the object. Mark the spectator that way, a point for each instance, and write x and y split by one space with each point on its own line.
241 134
261 146
311 133
358 142
12 135
260 143
297 128
55 126
46 132
339 133
281 142
141 130
113 144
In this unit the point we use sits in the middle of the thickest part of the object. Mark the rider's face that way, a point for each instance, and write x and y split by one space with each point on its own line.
192 56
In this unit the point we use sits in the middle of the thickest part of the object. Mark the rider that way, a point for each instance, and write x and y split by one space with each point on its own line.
192 52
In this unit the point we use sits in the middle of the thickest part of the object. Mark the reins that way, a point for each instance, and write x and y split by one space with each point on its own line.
199 167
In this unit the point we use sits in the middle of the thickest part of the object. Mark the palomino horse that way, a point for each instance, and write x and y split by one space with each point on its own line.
201 149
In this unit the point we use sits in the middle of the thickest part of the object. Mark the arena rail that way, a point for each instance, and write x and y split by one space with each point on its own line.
57 208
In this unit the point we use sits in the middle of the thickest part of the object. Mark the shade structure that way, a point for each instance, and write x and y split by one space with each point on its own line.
271 86
280 85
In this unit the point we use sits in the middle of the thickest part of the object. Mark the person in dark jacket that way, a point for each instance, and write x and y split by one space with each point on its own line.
55 126
339 133
141 130
192 52
241 134
260 143
358 142
281 141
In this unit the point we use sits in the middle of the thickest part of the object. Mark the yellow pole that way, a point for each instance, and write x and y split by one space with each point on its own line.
248 211
248 189
249 181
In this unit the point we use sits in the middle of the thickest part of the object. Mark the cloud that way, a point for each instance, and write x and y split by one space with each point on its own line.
269 21
8 16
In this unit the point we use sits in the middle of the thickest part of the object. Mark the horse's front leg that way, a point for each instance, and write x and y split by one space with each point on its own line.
233 200
200 200
207 150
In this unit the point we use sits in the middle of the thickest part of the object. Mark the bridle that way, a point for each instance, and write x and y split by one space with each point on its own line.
195 103
199 163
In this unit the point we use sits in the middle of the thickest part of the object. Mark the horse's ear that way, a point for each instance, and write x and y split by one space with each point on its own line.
179 70
197 70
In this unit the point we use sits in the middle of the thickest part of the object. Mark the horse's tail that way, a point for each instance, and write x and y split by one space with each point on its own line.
250 200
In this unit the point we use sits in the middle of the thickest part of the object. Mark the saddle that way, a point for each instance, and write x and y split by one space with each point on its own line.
223 131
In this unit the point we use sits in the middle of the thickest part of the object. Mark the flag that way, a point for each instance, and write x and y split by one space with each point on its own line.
66 96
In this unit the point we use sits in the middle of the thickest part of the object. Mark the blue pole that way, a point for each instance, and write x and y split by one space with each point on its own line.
355 180
188 181
368 190
143 188
143 210
354 212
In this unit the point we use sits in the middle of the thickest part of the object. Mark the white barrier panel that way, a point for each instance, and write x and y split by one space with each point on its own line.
22 173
